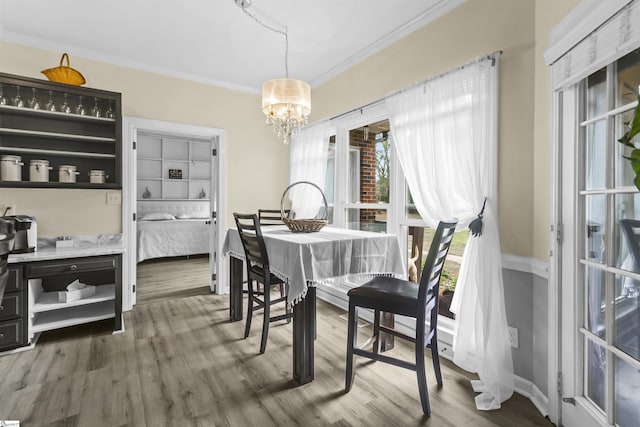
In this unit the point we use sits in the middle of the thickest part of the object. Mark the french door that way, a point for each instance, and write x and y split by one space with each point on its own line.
599 275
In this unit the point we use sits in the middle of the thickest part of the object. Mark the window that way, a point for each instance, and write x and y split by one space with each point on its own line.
361 193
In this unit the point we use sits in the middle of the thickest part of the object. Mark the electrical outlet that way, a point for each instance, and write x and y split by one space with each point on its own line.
513 337
8 210
114 198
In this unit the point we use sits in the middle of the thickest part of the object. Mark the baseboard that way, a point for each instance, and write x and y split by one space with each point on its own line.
528 389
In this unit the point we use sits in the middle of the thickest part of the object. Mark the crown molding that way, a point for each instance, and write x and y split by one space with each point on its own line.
578 24
439 8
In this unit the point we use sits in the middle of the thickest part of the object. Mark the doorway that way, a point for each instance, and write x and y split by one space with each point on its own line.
170 207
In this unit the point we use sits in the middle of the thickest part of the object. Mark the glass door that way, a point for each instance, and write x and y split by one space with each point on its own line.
600 347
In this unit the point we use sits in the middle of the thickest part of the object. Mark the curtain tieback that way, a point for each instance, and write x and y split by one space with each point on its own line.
476 225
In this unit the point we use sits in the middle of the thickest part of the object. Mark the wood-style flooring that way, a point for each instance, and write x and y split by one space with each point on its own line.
182 363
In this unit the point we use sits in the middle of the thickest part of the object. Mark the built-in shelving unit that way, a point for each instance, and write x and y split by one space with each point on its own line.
86 139
157 157
47 313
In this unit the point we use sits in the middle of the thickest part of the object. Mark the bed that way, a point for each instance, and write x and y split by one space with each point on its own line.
168 229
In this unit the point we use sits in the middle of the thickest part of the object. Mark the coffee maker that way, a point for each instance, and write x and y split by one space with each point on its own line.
26 233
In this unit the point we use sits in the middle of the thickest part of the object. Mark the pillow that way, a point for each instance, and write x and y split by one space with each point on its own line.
157 216
183 216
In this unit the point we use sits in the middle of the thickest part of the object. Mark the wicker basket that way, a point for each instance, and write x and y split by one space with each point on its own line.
64 73
304 225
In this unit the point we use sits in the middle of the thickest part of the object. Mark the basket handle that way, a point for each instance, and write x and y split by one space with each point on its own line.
64 55
326 205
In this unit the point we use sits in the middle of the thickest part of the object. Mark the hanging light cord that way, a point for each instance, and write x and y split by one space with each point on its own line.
275 30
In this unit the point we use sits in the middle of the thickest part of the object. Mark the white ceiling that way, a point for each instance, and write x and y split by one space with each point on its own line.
213 41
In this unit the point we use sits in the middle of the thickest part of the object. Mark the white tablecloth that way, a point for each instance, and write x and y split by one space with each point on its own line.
305 259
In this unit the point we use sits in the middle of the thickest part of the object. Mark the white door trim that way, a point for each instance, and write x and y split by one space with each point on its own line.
130 128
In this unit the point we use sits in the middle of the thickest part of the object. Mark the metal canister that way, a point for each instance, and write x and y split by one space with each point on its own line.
97 176
39 170
67 173
11 168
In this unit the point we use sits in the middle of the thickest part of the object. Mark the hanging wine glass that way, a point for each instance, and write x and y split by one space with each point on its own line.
3 99
33 101
80 108
50 105
17 100
65 107
110 114
95 110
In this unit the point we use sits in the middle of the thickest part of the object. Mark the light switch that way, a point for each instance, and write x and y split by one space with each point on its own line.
114 198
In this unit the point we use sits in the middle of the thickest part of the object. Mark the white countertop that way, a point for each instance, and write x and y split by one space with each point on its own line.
43 254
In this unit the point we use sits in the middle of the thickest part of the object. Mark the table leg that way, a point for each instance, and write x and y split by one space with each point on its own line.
235 289
386 340
304 326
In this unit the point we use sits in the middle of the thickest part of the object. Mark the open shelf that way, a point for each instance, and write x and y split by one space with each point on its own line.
54 135
75 315
48 301
56 114
57 153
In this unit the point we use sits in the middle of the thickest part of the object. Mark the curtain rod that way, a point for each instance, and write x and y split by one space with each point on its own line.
493 56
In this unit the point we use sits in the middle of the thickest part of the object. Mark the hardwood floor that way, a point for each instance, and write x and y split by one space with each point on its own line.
181 362
169 278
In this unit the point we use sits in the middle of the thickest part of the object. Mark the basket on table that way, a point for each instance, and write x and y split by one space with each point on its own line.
304 225
64 73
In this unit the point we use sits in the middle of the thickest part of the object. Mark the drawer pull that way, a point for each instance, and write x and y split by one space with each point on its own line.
1 335
73 267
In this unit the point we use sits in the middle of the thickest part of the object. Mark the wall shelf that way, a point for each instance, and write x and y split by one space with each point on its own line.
85 141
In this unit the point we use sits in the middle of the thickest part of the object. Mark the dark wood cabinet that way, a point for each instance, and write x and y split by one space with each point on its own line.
13 309
88 141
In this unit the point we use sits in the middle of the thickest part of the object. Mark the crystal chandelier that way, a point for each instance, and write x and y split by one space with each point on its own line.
286 102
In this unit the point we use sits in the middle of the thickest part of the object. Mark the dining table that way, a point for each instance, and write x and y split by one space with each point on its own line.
304 260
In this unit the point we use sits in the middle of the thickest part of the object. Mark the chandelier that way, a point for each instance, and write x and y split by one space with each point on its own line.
286 102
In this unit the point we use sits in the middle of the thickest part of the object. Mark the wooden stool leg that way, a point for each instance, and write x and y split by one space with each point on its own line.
247 328
352 340
267 314
420 367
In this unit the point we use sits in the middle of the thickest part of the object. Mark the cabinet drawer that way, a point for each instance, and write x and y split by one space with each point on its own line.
49 268
15 279
11 334
11 306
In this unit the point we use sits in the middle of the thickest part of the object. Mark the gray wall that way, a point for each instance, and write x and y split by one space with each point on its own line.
526 305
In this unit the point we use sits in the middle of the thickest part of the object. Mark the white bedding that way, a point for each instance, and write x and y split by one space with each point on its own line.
178 237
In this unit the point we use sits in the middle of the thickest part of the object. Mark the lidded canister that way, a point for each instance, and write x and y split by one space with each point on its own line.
67 173
39 170
97 176
11 168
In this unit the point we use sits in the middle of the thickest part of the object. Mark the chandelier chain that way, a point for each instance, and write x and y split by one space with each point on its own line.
284 32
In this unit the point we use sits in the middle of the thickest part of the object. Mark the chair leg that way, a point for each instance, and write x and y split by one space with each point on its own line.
267 314
420 367
282 293
352 340
435 357
247 328
376 331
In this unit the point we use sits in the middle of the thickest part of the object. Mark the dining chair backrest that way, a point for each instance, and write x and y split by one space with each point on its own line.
252 241
271 216
432 271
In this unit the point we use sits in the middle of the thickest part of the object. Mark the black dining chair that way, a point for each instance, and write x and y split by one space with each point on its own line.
257 263
271 216
402 297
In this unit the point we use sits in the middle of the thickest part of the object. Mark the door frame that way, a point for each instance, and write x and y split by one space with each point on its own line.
130 128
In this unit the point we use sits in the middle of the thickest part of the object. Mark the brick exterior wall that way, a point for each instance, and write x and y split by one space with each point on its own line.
367 174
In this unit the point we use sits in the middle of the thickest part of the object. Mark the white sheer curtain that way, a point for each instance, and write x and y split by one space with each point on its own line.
309 151
445 135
